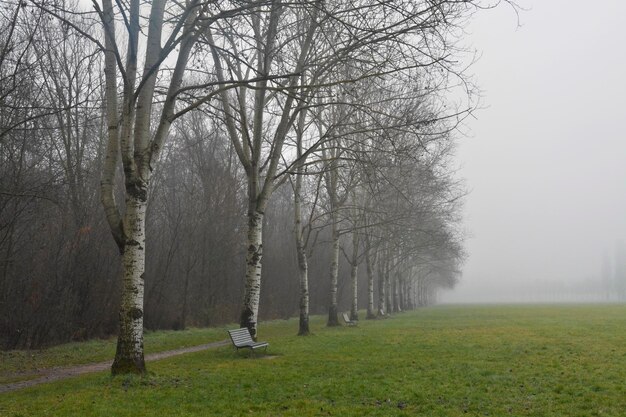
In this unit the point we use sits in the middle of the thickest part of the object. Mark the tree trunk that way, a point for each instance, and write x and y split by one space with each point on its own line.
183 318
388 290
354 309
370 284
397 282
129 354
382 308
354 276
408 301
420 291
252 290
303 271
303 267
333 319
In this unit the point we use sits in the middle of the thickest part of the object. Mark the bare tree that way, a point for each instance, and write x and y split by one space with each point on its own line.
129 135
246 119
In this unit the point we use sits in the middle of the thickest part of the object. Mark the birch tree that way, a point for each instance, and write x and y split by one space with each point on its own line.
303 226
369 265
331 180
299 230
130 136
246 117
354 269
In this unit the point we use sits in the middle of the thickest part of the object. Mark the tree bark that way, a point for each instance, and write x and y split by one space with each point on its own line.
303 268
408 302
420 291
354 276
397 293
388 290
382 308
370 281
129 353
333 318
303 329
254 258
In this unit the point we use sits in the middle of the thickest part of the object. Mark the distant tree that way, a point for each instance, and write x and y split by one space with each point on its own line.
19 98
303 220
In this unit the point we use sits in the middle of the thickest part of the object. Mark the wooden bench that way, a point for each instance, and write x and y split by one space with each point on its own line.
241 339
349 322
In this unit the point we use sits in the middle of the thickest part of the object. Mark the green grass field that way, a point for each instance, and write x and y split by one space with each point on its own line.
442 361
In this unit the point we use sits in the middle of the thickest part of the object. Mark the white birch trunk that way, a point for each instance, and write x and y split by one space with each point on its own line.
303 268
254 258
370 282
382 308
303 276
331 188
129 356
354 308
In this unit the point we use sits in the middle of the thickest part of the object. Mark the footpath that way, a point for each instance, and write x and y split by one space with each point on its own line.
56 374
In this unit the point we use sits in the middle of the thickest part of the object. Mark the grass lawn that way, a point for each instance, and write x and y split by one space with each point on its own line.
442 361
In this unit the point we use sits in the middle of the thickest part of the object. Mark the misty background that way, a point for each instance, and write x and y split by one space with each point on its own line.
544 160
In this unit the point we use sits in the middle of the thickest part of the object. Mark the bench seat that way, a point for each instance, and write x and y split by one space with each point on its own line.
241 339
349 322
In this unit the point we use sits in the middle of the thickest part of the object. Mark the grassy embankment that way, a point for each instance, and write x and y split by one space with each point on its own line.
444 361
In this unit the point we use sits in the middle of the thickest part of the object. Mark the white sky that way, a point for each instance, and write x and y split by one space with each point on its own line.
546 161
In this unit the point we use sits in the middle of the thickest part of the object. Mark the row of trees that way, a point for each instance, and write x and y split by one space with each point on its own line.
228 148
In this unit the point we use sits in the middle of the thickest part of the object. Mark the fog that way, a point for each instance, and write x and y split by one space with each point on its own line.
545 160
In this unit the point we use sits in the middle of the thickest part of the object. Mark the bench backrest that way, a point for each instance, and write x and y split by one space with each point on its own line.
240 337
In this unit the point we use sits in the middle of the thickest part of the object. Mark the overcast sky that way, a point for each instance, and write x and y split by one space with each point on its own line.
546 161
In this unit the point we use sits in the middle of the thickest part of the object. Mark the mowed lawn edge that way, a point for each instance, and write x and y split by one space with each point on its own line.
442 361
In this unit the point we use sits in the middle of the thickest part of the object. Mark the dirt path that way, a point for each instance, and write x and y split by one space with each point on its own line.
55 374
